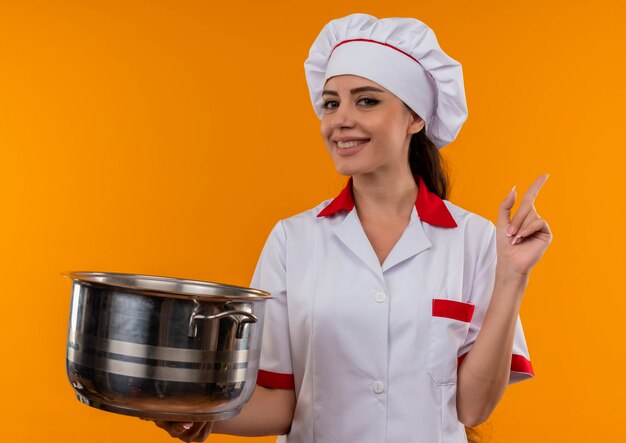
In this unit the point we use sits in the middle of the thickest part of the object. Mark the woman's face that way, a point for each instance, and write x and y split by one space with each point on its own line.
365 127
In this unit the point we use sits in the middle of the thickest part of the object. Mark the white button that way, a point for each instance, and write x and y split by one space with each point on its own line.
380 297
378 387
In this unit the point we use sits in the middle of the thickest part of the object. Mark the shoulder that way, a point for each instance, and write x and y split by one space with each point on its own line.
306 218
297 225
470 222
476 234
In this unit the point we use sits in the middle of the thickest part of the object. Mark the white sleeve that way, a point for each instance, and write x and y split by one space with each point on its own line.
482 288
275 369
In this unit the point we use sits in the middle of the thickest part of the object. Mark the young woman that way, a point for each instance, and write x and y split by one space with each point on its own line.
395 316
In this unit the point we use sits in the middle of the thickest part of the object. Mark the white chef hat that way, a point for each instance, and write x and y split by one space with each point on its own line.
400 54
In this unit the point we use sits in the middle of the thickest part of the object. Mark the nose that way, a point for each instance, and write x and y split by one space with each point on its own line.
343 117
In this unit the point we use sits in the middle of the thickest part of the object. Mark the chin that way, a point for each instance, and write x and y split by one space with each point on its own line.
347 170
351 168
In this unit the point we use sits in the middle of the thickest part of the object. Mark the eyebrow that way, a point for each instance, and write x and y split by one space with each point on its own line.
353 91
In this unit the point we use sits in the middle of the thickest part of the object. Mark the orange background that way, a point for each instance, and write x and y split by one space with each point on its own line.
167 138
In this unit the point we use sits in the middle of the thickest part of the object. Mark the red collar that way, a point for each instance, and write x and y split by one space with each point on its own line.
430 207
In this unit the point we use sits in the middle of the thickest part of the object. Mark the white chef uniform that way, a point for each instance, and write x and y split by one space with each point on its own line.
372 351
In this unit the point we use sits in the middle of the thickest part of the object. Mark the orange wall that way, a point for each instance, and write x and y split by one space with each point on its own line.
167 138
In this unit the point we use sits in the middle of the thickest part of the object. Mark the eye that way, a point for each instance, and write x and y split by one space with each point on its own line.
369 101
330 104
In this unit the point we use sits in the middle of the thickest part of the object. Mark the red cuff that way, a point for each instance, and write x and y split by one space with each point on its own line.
275 380
519 363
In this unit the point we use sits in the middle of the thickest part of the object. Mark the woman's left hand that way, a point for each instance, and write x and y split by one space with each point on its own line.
522 240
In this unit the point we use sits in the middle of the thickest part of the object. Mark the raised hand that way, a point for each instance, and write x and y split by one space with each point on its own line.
523 239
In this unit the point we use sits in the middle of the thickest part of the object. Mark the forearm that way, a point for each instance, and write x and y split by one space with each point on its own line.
484 373
269 412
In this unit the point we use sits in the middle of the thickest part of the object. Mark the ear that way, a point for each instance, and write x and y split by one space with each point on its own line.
416 124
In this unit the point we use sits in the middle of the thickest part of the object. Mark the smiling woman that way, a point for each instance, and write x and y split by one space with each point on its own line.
395 314
424 157
362 117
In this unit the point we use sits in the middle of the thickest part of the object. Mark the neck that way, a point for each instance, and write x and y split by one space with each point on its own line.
384 197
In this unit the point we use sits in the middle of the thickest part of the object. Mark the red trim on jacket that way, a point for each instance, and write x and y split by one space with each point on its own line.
519 363
453 309
275 380
430 208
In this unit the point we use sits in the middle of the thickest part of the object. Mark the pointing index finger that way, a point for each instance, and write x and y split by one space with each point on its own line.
533 190
527 205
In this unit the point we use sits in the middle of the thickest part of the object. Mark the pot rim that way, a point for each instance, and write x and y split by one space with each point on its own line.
162 286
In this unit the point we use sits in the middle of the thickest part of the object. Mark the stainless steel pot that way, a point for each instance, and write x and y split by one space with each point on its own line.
163 348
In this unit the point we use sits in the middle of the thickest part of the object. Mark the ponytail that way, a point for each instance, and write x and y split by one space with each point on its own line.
426 161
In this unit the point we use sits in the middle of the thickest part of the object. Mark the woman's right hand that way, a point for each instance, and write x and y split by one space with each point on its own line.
269 412
187 432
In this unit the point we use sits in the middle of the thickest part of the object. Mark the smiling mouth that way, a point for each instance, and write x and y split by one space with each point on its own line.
350 144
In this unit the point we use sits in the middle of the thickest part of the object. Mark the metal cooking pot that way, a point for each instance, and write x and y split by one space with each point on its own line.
163 348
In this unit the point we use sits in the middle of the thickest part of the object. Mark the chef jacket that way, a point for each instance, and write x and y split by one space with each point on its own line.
372 350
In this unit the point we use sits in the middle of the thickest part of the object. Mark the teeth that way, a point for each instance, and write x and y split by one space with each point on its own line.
350 144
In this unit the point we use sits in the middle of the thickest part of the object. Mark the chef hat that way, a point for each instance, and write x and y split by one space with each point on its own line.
400 54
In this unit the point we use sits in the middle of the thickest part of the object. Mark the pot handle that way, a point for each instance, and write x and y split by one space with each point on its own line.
235 315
